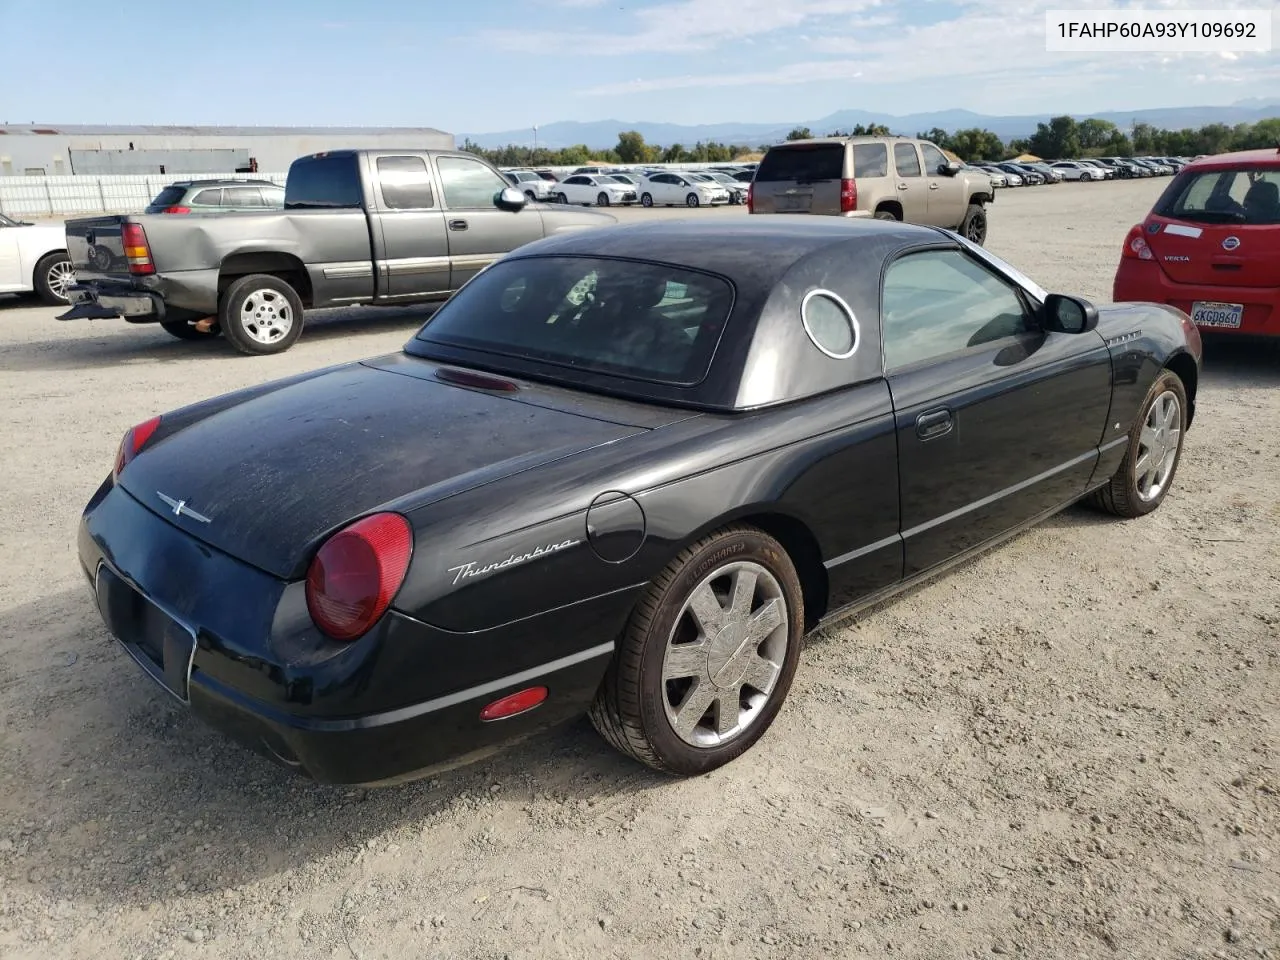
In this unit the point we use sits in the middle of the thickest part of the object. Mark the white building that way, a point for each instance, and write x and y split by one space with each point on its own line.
63 150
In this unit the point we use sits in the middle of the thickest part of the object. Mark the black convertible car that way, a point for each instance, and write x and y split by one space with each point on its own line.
621 472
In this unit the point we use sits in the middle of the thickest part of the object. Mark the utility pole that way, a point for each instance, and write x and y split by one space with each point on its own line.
535 138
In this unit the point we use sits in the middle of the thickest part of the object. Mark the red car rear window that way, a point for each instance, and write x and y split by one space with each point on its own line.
1250 197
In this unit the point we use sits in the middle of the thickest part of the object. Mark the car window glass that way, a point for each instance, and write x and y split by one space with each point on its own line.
933 158
653 322
467 183
906 160
242 197
939 302
208 198
820 161
1239 196
406 184
830 324
870 160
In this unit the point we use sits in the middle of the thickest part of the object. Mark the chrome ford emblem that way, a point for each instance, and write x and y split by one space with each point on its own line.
180 508
1230 243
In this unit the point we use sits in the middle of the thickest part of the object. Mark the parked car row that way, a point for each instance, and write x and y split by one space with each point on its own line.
609 186
1018 173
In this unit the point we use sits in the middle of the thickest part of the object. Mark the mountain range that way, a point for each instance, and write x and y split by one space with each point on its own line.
602 134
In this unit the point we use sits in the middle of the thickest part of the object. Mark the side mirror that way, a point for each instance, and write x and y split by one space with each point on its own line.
1067 314
510 199
950 168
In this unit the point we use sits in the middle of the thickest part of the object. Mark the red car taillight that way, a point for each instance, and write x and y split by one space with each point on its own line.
356 574
1135 246
131 444
177 210
751 198
136 249
848 196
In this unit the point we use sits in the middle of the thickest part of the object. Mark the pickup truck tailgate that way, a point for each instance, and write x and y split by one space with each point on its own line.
96 249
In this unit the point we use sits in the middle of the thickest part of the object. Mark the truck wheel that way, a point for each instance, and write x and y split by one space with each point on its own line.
974 226
646 200
260 314
186 330
885 215
52 276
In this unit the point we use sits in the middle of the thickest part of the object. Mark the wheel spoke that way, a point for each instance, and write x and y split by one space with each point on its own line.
761 673
727 710
764 621
706 610
694 706
1170 415
1148 437
685 660
744 592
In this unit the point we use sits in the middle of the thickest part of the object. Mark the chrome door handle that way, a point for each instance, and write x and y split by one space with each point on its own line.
933 186
902 186
457 224
934 423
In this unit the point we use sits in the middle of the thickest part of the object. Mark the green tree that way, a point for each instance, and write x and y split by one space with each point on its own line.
1260 136
975 144
631 147
799 133
1094 134
939 137
1059 138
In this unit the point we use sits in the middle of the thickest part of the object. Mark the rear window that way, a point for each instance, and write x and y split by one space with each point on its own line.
820 162
323 182
649 322
169 196
1240 196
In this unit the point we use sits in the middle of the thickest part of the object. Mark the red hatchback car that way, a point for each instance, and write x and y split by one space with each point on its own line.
1211 245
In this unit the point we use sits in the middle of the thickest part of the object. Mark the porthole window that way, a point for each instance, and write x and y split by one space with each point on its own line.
829 323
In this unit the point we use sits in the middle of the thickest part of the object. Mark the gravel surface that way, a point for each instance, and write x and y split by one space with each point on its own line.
1066 748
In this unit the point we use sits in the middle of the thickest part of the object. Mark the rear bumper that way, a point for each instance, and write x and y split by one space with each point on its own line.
91 301
400 702
1144 280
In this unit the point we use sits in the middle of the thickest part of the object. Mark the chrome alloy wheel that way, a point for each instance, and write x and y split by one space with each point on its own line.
266 316
724 654
1158 446
60 276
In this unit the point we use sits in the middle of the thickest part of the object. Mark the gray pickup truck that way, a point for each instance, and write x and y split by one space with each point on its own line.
358 227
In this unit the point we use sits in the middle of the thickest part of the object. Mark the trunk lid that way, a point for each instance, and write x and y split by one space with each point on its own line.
96 249
271 476
1213 254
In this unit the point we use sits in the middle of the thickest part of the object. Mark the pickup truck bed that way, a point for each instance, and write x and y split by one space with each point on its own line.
359 227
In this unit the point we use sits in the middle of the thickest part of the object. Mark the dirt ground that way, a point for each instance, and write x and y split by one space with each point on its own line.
1067 748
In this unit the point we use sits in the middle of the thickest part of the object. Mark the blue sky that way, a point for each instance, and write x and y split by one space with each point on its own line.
475 66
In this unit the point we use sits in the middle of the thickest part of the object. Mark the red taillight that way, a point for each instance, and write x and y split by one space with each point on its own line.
751 198
356 574
177 209
515 703
136 249
848 196
1135 246
135 438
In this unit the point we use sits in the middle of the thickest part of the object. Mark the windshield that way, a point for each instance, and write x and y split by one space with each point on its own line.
524 175
6 222
614 178
644 321
1239 195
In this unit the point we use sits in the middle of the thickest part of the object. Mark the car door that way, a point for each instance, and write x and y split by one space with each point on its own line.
479 233
415 252
10 261
574 188
998 421
913 188
946 200
666 185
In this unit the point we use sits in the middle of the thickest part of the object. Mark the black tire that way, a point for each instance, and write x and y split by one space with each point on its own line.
885 215
562 198
1085 178
47 278
646 200
974 225
692 200
231 319
1121 496
529 195
630 709
602 199
186 330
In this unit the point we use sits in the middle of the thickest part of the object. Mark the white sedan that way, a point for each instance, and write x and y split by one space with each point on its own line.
669 189
1071 170
35 258
531 185
598 188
